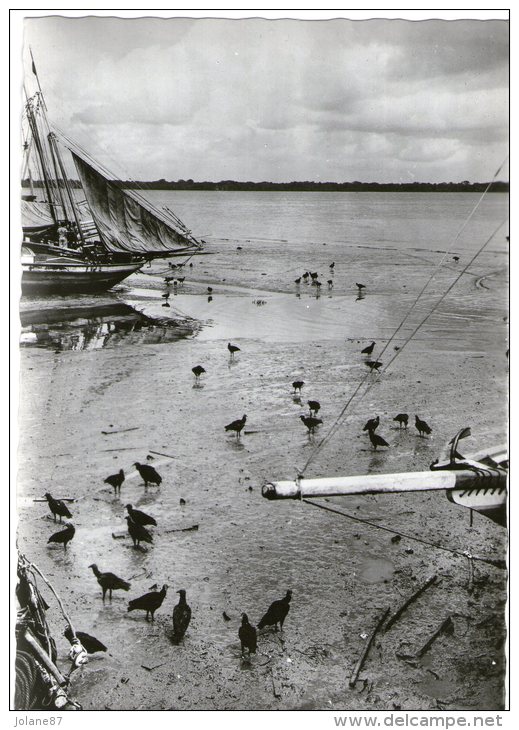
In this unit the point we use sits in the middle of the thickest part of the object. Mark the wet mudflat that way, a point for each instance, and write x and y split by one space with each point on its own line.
86 413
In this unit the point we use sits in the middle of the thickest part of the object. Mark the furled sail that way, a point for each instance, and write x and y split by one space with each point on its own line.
126 222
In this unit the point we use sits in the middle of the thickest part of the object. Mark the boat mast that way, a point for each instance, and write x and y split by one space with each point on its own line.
41 156
56 154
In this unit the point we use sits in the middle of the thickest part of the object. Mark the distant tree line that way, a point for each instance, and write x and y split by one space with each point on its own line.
304 186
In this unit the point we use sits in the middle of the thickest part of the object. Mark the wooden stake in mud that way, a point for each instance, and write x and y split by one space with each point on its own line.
446 627
410 600
362 659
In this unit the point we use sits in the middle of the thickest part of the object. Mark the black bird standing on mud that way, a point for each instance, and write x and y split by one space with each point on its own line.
376 440
277 612
148 474
314 406
373 364
138 533
372 424
232 349
115 481
311 423
109 582
422 426
297 281
198 370
149 602
90 643
181 617
360 287
402 419
57 507
248 636
368 350
297 385
64 536
140 518
237 425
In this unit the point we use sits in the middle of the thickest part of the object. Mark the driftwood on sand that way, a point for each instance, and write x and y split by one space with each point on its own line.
362 659
408 602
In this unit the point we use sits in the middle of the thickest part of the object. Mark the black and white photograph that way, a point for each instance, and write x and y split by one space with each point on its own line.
260 286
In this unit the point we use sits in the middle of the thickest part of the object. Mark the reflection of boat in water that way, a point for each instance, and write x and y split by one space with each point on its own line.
477 482
72 246
95 324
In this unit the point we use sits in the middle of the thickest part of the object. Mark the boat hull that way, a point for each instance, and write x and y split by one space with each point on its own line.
68 277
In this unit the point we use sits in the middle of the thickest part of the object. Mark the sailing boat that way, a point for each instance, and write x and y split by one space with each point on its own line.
72 246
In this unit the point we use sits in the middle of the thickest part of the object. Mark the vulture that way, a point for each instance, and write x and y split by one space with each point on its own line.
109 582
422 426
232 349
237 426
181 617
57 507
115 481
247 635
140 518
311 423
65 536
277 612
372 424
90 643
377 440
138 533
368 350
149 602
148 474
402 419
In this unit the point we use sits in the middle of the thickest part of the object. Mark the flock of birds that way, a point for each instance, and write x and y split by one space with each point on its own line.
312 277
138 522
151 601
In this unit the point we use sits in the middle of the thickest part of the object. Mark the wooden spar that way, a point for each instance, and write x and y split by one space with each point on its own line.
364 654
459 479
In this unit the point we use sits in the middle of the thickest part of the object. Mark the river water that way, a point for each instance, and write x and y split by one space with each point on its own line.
106 381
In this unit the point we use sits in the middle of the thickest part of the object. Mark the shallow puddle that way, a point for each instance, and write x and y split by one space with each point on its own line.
376 570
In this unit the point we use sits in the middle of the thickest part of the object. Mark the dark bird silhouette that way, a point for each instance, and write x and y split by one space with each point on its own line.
232 349
140 518
64 536
237 425
138 533
197 371
368 350
360 287
57 507
209 299
317 284
182 502
248 636
181 280
115 481
311 423
181 617
456 258
297 281
306 275
109 582
422 426
373 364
166 296
209 289
376 440
226 617
277 612
330 284
372 424
149 602
314 406
402 419
297 385
90 644
148 474
332 265
314 275
168 279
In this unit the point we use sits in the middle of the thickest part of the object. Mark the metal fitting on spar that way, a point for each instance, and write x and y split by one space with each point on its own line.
290 490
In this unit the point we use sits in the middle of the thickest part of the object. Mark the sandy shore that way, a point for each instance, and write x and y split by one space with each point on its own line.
87 414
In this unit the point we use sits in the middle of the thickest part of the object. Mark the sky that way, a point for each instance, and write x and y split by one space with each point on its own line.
254 99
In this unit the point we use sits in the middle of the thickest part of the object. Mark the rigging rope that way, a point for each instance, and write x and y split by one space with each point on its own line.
340 417
463 554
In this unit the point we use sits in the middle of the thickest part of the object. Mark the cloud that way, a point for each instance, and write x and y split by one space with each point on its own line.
258 99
